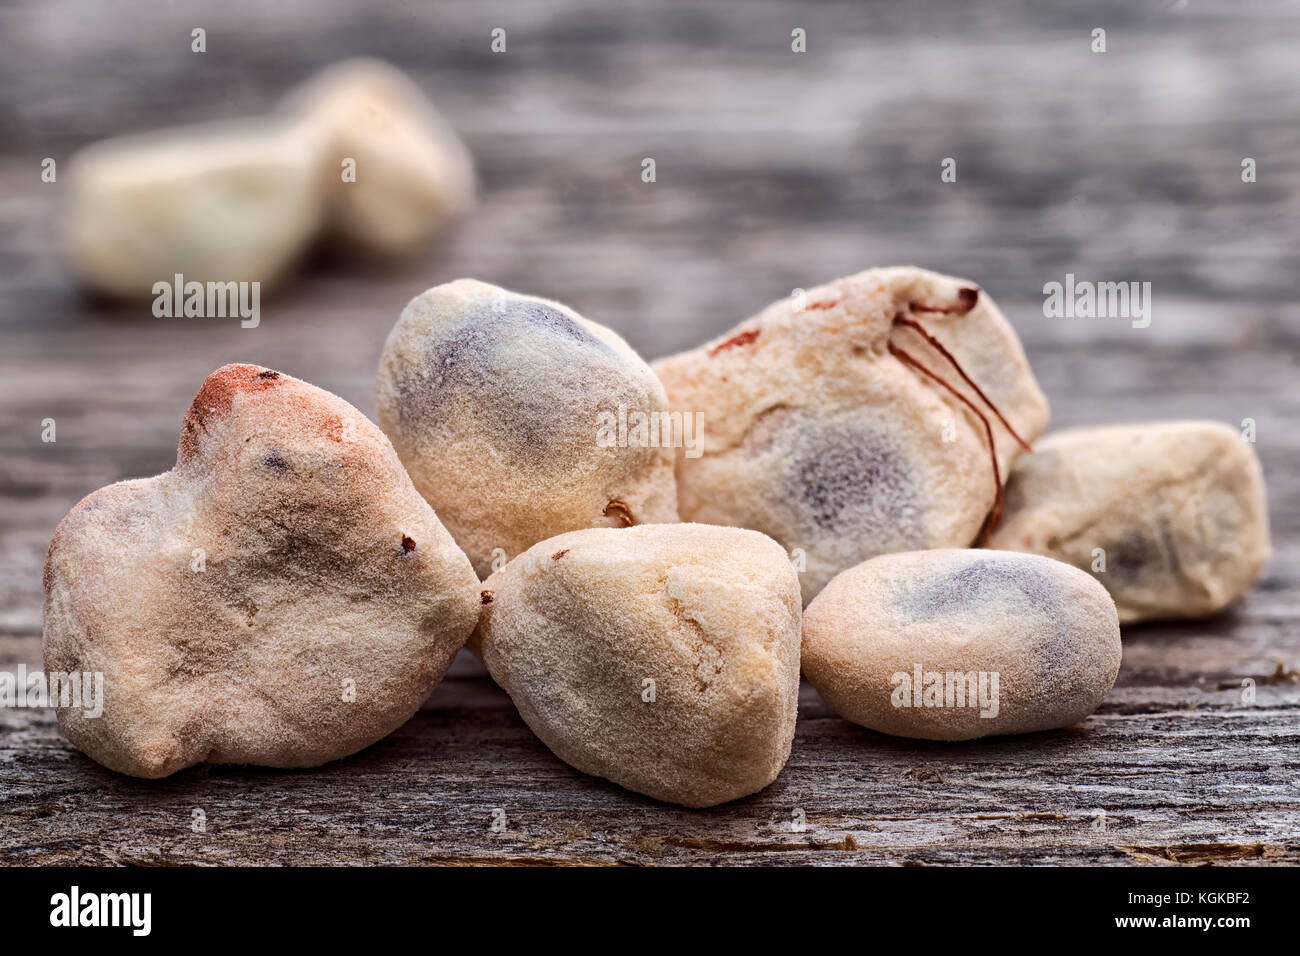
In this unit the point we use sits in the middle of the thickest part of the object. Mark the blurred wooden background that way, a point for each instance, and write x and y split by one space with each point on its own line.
775 170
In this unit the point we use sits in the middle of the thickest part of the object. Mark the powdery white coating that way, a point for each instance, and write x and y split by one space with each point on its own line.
413 173
575 627
320 563
492 399
1049 631
1178 508
820 437
221 202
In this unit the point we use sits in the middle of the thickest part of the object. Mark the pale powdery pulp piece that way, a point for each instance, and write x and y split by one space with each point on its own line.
1001 643
412 172
1171 517
236 602
221 202
822 432
494 402
664 658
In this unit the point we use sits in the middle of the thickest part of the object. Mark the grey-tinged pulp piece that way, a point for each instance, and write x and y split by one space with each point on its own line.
877 413
219 202
281 597
497 404
393 171
1170 516
664 658
956 644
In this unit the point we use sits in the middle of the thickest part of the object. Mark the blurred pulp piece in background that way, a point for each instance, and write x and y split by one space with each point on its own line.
223 202
393 170
356 153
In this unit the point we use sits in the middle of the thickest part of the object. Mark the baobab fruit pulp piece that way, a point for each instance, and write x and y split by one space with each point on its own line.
495 403
393 171
878 413
282 597
1170 517
955 644
219 202
663 657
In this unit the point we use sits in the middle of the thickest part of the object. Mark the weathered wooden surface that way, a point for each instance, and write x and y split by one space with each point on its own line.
774 171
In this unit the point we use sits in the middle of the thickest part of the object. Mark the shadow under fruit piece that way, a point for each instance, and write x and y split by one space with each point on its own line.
282 597
880 413
663 657
494 403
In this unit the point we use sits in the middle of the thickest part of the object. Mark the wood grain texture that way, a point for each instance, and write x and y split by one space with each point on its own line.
775 171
